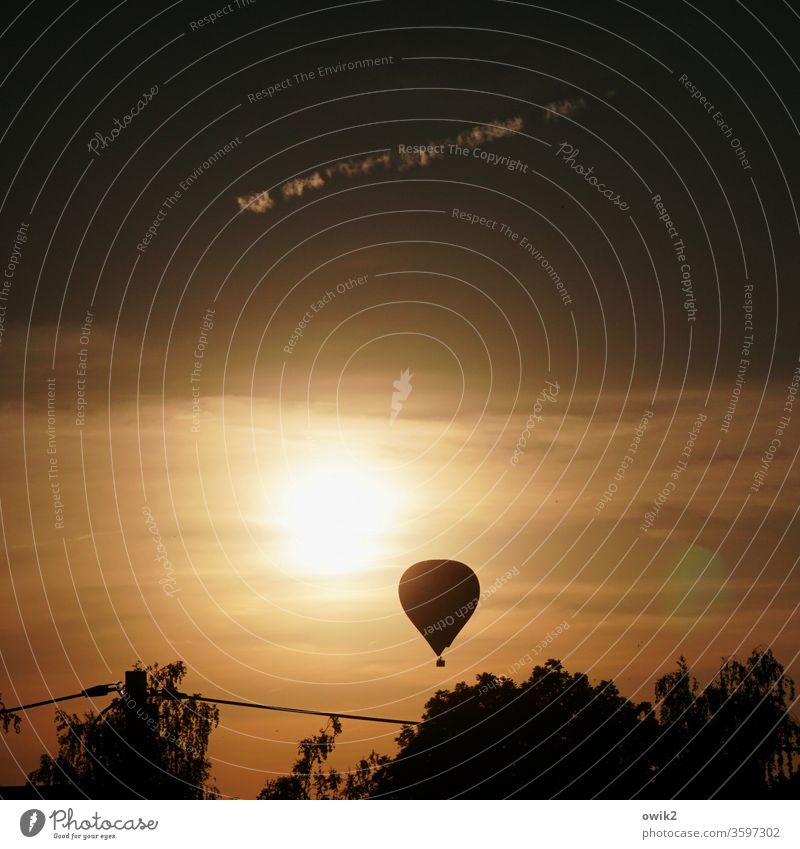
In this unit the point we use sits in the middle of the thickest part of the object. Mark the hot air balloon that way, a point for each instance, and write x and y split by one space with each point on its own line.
439 596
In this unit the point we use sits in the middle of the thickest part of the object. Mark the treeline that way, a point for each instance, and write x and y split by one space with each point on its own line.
554 735
557 735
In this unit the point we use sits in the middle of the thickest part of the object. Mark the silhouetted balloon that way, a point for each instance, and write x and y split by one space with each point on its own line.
439 596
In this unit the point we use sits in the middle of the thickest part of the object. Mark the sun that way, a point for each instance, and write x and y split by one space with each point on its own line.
334 517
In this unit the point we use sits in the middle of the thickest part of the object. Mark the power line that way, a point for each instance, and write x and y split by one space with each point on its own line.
105 689
89 692
329 713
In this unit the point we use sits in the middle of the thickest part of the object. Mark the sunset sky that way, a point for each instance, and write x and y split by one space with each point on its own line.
238 359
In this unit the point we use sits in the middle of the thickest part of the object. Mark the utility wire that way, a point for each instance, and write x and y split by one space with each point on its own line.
105 689
329 713
90 692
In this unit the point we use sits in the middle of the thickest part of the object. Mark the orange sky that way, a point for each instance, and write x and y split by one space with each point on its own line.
253 623
238 362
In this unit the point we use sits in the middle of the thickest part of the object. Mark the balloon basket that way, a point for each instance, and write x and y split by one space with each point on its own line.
440 661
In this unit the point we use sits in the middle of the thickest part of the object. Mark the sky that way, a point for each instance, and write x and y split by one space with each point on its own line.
296 298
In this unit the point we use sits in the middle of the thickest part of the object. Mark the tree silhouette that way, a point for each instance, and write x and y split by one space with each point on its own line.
735 738
309 780
555 734
155 751
9 720
558 735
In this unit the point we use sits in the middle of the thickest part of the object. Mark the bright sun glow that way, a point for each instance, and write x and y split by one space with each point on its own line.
335 517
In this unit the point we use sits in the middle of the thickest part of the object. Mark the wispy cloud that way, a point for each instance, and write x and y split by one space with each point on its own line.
296 187
256 202
489 132
567 106
260 202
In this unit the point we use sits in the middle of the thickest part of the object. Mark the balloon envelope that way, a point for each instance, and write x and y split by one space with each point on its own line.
439 596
